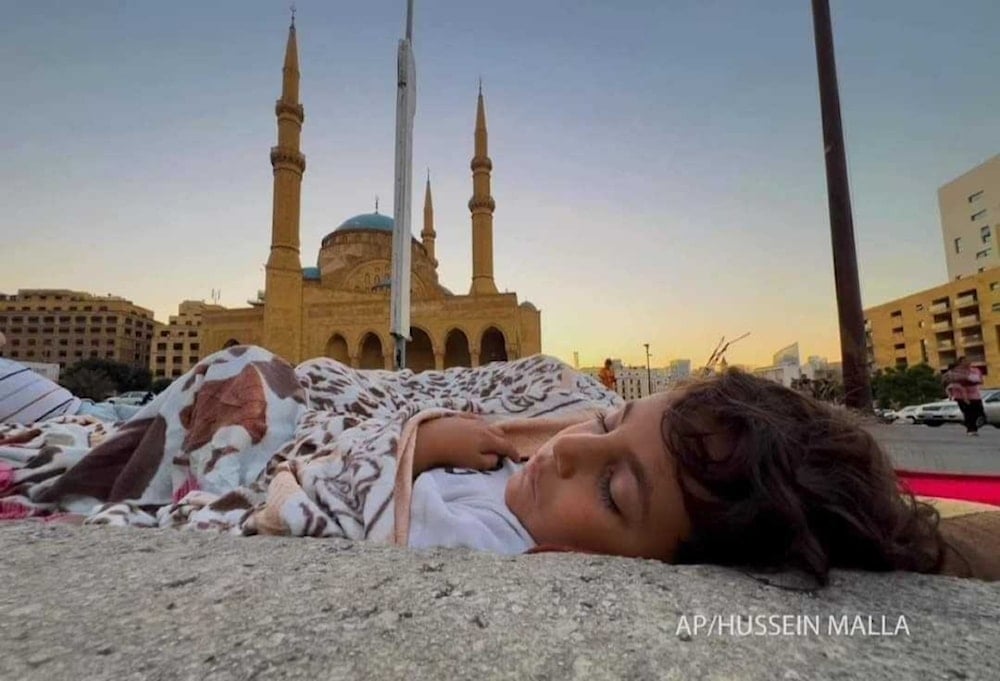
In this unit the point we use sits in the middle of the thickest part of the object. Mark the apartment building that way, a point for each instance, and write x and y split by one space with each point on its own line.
177 345
970 218
62 327
936 326
634 383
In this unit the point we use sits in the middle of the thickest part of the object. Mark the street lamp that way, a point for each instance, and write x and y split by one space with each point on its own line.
649 382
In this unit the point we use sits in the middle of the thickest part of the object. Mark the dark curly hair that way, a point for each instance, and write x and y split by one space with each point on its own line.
773 479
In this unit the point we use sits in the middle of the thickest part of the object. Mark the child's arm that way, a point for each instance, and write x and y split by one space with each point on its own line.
463 441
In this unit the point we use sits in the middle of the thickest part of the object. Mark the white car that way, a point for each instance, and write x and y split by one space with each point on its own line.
935 414
991 405
132 397
908 415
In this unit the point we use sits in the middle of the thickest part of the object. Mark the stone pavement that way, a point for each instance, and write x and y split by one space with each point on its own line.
104 603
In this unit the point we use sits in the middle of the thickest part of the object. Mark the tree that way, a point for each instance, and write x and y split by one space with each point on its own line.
121 377
161 384
899 387
89 384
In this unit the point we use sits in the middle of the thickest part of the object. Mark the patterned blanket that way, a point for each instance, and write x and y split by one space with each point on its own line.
245 443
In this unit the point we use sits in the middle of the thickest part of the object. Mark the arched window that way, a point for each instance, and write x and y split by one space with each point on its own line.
456 350
419 351
492 348
336 348
371 352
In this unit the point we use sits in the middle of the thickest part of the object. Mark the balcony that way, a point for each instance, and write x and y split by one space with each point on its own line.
966 301
938 308
897 337
942 326
968 320
946 345
972 340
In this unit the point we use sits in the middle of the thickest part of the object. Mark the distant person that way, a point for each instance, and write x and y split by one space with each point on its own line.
607 376
962 385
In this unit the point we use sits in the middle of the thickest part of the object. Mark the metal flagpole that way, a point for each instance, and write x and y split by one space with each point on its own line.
406 105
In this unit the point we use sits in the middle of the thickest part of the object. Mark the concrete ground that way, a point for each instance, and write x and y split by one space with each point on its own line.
943 449
103 603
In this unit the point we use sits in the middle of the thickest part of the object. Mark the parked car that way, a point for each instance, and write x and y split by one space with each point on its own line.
133 397
908 414
885 415
935 414
991 405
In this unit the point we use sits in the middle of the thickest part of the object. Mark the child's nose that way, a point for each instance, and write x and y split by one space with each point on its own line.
573 453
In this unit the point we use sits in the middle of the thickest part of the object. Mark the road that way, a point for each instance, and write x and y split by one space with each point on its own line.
946 449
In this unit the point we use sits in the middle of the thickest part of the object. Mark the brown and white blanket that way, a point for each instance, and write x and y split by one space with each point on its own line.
245 443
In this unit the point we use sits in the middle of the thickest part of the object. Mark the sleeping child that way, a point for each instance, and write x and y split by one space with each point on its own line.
511 457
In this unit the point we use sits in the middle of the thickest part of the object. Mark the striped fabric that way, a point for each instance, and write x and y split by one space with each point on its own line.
27 397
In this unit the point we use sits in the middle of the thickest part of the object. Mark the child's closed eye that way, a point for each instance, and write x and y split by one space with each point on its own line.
604 489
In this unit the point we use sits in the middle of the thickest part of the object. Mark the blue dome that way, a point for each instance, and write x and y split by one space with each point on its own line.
311 273
371 221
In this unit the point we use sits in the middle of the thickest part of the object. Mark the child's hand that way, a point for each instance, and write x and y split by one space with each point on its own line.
462 441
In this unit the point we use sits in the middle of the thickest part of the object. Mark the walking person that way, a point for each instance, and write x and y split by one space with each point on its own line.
963 381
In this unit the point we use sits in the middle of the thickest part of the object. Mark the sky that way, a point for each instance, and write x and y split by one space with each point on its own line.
658 167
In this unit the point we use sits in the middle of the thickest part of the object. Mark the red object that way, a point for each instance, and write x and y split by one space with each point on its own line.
984 489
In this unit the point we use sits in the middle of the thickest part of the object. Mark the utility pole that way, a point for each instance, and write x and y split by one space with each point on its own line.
857 386
649 381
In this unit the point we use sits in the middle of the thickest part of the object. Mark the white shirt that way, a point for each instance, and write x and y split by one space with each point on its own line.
454 507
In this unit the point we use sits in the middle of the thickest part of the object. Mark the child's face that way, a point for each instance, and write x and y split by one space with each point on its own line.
608 488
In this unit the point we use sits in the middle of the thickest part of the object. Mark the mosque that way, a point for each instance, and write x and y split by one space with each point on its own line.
340 307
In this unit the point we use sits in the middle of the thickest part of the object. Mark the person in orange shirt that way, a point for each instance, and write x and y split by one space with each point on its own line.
607 376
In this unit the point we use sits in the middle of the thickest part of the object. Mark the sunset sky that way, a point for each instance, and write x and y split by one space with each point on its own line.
658 168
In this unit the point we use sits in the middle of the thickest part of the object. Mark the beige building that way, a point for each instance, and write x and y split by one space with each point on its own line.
970 217
634 383
940 324
63 327
177 345
340 307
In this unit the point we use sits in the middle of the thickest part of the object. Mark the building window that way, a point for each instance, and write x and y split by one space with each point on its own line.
975 197
920 307
984 233
958 244
978 214
985 253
